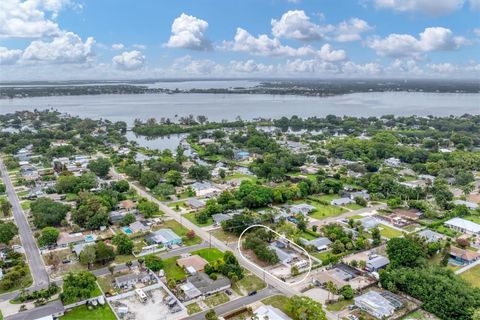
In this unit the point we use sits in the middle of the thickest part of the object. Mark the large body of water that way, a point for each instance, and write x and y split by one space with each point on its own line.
228 106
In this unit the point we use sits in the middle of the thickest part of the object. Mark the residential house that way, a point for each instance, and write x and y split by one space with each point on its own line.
341 201
164 236
464 256
218 218
464 226
267 312
205 189
355 194
376 263
194 262
369 222
67 239
280 215
320 244
195 203
376 304
205 285
138 226
78 248
116 216
284 256
393 162
130 280
301 208
431 236
127 205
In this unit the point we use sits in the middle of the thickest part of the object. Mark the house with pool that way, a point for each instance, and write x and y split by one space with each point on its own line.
165 237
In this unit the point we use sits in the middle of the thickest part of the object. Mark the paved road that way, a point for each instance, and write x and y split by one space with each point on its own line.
281 286
34 259
166 255
237 304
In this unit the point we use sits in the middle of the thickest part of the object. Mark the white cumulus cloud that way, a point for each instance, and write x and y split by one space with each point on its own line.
28 19
405 45
351 30
188 32
327 54
65 48
295 24
129 60
8 56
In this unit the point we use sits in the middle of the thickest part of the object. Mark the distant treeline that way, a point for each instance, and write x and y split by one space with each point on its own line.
284 87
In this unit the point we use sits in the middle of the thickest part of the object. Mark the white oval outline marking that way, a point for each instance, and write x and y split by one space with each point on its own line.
263 270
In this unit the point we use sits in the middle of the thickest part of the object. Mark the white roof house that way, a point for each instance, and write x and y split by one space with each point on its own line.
464 226
430 236
375 304
270 313
319 243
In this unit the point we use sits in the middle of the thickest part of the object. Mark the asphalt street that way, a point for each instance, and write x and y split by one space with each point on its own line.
34 259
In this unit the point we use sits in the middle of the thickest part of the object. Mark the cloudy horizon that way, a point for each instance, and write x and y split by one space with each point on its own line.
102 40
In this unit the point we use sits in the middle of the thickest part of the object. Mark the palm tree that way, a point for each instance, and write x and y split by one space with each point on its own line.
129 264
140 263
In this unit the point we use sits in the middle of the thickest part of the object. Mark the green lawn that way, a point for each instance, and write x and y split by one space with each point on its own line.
389 232
249 283
83 313
216 299
475 219
191 217
181 231
180 204
309 235
325 211
209 254
25 205
354 206
278 301
339 305
472 276
224 236
193 308
172 270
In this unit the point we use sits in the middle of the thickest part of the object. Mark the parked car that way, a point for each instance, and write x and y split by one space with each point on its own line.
252 293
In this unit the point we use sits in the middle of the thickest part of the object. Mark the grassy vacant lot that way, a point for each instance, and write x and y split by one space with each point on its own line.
216 299
172 270
389 232
279 302
224 236
83 313
191 216
181 231
339 305
472 276
325 211
193 308
181 204
209 254
329 197
249 283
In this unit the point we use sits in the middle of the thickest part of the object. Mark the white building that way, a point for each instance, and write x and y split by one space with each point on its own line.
464 226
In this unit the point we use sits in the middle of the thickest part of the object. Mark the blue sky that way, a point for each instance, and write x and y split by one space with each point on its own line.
131 39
